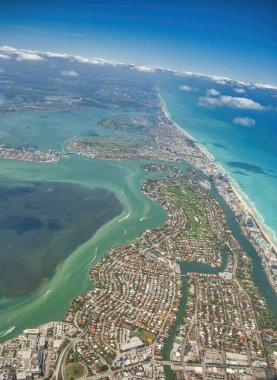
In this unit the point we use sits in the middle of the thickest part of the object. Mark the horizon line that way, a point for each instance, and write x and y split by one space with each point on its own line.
39 55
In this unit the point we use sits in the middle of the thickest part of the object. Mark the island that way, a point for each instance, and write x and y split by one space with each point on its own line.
29 154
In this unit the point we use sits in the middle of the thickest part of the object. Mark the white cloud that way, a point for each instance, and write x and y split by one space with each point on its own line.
229 101
240 90
184 87
8 49
145 69
82 59
220 79
4 56
97 61
69 73
26 56
208 101
265 86
94 61
244 121
224 80
213 92
240 102
56 55
23 54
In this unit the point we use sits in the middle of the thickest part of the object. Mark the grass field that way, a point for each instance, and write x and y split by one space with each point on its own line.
146 337
120 124
109 144
74 371
194 209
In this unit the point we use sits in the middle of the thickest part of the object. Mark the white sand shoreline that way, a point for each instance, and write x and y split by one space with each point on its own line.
245 201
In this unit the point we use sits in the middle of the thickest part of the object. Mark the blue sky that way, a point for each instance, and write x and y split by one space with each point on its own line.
229 38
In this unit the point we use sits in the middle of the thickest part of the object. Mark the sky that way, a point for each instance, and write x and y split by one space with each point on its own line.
236 39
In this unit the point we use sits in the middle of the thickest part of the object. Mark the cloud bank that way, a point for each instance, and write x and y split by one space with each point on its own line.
4 56
145 69
7 52
22 56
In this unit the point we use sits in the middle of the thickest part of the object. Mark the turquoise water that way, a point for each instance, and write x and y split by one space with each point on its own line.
124 179
248 154
52 130
51 300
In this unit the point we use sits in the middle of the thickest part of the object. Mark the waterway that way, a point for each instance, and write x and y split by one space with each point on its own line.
247 154
185 269
258 274
124 179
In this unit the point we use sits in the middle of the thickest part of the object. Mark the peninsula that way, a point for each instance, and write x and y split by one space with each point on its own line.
147 316
166 141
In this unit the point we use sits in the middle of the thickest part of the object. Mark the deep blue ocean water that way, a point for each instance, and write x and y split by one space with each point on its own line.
248 154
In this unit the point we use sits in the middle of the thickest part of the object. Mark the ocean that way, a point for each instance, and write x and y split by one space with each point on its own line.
248 154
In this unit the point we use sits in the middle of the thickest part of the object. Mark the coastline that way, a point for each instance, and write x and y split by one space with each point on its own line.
105 315
75 266
242 197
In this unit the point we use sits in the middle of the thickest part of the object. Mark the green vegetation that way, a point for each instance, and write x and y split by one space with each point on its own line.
194 209
103 368
270 348
74 371
146 337
163 246
121 124
50 332
109 144
72 357
64 344
266 319
77 303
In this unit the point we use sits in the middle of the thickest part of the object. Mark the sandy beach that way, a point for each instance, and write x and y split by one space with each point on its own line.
246 203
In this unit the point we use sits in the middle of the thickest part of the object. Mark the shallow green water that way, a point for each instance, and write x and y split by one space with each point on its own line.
124 179
71 279
41 223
